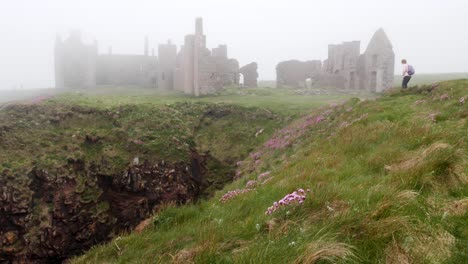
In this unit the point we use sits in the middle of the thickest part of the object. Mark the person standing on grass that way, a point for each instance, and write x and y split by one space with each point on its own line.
408 71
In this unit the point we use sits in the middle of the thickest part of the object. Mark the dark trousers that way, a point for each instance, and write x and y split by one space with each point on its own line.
406 80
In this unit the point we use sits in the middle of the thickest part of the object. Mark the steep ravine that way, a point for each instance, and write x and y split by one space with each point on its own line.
55 203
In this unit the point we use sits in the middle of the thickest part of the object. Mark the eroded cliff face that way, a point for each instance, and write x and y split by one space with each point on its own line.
54 215
73 176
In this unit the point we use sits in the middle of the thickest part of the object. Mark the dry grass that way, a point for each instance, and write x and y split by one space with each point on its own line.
431 248
185 256
457 208
143 225
396 255
387 227
417 158
323 250
407 195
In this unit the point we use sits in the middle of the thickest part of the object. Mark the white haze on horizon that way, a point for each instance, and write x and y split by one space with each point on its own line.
431 34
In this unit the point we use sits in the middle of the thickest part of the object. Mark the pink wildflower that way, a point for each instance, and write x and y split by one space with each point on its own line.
433 117
137 142
319 119
264 176
444 97
251 184
40 99
256 155
462 100
297 197
232 194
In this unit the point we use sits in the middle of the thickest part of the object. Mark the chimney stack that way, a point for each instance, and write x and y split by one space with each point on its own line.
146 46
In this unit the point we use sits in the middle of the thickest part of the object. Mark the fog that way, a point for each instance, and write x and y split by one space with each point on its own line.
431 34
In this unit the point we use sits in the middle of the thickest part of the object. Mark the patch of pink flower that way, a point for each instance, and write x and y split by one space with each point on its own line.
264 176
40 99
296 197
444 97
255 155
232 194
433 117
285 137
251 184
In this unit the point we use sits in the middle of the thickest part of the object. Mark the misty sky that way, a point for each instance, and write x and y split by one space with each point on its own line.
431 34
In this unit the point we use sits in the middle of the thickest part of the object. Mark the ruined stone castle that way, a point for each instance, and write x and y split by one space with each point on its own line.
194 69
345 67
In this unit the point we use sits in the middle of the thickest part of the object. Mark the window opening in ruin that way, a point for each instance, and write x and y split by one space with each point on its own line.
308 83
352 80
373 81
241 80
374 60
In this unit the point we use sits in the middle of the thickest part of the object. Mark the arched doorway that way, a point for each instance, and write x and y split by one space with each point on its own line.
241 80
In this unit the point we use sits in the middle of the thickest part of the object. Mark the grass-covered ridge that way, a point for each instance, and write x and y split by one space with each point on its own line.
388 181
78 168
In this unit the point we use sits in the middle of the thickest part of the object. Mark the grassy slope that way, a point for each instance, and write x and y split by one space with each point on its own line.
142 123
388 182
419 79
428 78
158 120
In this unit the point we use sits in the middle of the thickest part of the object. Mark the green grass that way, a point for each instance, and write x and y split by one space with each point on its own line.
106 129
418 79
428 78
388 184
284 101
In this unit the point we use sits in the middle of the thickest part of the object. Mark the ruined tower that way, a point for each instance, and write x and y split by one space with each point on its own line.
200 70
346 68
167 54
146 48
195 70
250 74
378 63
75 62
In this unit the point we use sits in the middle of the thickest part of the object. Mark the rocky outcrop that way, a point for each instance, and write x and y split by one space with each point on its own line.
56 214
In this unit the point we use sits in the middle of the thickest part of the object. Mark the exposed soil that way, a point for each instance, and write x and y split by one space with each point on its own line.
83 207
75 176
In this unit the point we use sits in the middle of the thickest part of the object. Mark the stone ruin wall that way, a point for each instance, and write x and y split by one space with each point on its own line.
294 73
75 62
194 69
250 74
345 68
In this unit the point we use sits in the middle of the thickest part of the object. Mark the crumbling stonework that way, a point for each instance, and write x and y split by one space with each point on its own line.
345 67
296 73
201 71
75 62
378 63
194 69
167 55
250 74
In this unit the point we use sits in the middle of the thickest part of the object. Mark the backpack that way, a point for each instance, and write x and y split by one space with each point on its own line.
411 70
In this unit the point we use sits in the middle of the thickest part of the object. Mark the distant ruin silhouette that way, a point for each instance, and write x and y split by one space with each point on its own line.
345 67
194 69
